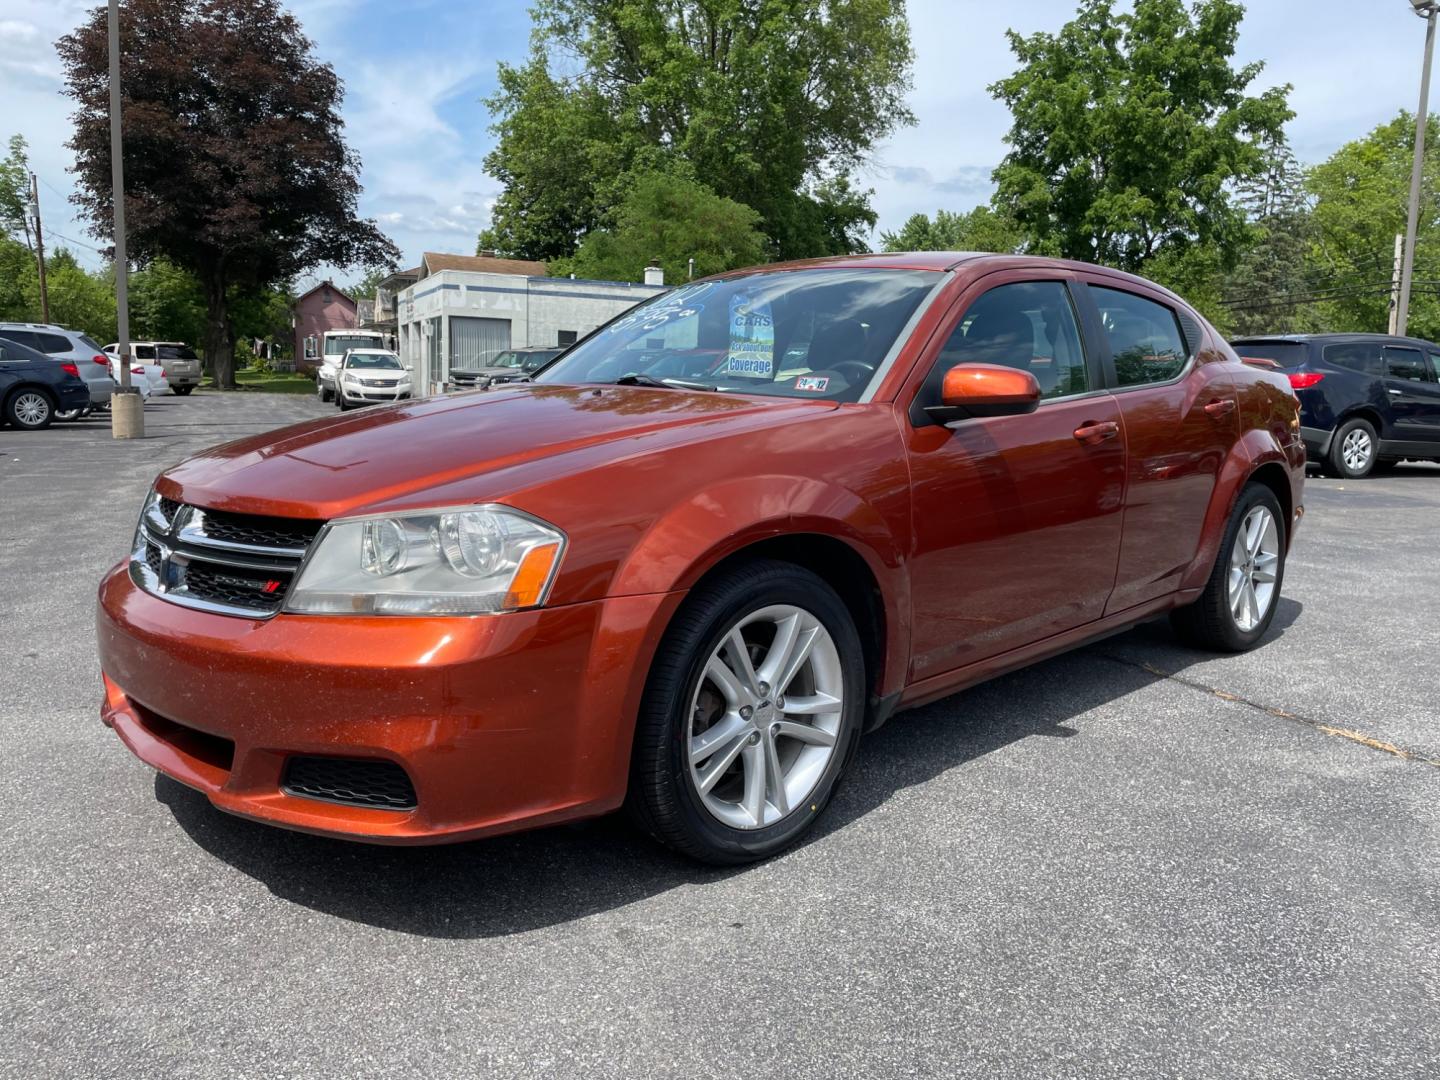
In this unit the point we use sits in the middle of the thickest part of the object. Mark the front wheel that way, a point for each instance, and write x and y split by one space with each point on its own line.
751 714
1240 598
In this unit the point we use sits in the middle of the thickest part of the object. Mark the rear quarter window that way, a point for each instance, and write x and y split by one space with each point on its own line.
1357 356
53 343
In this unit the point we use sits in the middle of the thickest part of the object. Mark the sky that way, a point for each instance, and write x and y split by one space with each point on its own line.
416 73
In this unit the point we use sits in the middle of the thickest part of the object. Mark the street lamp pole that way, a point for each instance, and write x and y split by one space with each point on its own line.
127 410
1427 10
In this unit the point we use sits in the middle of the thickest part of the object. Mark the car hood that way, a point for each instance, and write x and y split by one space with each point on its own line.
389 454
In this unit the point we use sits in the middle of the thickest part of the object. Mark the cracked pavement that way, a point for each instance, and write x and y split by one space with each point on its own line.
1132 860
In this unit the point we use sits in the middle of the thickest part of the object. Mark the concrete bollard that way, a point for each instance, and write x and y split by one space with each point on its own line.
127 414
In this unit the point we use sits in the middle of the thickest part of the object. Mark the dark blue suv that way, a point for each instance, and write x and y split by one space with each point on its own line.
1366 400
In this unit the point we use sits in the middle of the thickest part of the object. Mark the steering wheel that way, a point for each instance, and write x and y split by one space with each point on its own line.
855 372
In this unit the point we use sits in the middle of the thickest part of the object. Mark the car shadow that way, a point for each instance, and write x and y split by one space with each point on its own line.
513 884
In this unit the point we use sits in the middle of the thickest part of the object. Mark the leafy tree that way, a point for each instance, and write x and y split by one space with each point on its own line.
79 299
364 289
15 191
236 168
674 219
17 265
980 229
1129 130
771 103
1361 196
1268 291
166 304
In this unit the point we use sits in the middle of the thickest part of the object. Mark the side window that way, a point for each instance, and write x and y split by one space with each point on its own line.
23 337
1030 326
52 344
1144 337
1357 356
1407 364
144 352
1434 366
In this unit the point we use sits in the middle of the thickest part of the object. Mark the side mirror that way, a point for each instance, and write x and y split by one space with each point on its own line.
971 391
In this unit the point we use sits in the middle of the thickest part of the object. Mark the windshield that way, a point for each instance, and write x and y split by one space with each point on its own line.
536 360
1288 354
818 333
340 344
372 360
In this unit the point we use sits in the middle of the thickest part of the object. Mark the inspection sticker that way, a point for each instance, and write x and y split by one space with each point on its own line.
812 382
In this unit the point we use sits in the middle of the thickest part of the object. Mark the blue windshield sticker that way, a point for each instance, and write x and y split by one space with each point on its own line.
752 338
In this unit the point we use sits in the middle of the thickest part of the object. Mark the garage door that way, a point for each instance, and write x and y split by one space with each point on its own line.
473 342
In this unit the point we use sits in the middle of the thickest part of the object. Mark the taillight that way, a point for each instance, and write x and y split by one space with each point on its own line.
69 368
101 359
137 371
1303 380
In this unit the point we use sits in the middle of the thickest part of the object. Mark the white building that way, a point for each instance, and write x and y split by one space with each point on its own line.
466 308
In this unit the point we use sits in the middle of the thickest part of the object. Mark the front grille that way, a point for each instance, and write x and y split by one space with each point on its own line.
351 781
237 564
252 530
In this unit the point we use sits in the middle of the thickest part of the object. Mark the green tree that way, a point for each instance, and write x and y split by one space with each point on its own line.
17 266
167 303
980 229
1361 195
236 166
15 191
1129 131
674 219
772 103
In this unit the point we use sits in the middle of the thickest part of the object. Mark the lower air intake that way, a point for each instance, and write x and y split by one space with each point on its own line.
350 781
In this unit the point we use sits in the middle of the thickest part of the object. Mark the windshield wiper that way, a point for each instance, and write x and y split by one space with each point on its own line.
663 384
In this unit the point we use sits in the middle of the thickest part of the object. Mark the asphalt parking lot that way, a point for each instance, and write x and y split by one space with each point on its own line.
1135 860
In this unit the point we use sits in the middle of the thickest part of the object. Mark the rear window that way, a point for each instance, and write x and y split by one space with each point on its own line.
1288 354
88 343
176 352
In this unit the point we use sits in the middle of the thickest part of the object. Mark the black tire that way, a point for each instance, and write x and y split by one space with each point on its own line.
1209 622
182 391
21 402
662 797
344 405
325 396
1362 429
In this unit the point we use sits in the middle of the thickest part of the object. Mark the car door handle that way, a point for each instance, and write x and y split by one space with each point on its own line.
1220 407
1091 432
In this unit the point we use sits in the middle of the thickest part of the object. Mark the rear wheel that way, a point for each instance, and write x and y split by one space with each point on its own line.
29 409
1354 449
1240 598
750 716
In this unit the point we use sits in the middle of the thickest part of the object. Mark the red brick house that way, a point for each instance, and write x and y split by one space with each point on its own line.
325 307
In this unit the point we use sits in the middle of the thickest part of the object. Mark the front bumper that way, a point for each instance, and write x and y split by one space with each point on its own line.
501 722
358 395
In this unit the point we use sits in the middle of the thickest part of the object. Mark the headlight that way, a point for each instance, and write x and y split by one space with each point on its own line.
467 560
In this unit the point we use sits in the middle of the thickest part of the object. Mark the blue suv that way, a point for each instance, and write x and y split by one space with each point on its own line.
1366 400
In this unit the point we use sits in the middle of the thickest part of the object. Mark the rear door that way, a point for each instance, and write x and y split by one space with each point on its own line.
1414 395
1016 519
1180 419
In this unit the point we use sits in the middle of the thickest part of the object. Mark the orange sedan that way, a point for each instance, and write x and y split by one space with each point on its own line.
690 562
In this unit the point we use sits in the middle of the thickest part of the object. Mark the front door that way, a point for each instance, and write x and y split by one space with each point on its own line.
1016 519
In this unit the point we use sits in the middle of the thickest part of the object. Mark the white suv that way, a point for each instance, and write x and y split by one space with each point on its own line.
179 367
89 359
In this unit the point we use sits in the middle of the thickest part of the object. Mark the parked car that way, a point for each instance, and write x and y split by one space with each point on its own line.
177 362
511 365
34 388
327 377
1366 400
58 343
149 375
370 375
672 573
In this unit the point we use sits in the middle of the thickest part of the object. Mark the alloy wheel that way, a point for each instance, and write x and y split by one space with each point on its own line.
1254 563
1357 449
765 716
31 409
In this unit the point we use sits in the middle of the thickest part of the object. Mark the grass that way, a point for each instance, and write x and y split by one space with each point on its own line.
271 382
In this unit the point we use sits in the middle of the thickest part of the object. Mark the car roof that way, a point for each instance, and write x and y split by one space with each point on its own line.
1300 339
38 326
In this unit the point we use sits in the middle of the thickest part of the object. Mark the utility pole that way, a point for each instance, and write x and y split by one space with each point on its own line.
1395 284
39 248
127 409
1426 9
